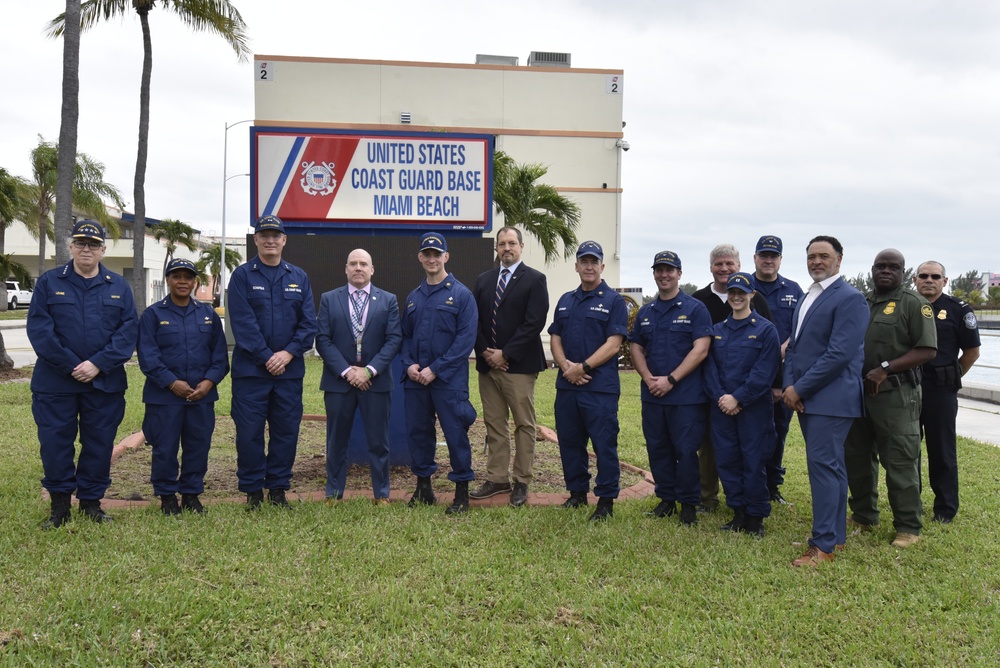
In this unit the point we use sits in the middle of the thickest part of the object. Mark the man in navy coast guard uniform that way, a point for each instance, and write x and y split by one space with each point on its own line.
782 295
670 340
587 331
82 324
273 319
182 350
439 331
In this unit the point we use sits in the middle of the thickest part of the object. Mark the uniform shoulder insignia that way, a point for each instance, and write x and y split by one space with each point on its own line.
927 311
970 320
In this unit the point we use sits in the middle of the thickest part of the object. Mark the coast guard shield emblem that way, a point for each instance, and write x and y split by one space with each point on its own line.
318 179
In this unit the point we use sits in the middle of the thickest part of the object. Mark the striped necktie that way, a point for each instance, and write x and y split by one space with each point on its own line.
358 302
501 286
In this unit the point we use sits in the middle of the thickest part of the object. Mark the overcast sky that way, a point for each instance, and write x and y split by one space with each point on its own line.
876 121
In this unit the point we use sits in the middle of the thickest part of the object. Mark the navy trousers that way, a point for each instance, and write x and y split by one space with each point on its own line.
340 413
825 437
456 415
582 415
169 428
743 443
278 403
95 415
673 435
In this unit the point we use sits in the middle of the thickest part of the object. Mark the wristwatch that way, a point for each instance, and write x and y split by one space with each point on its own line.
671 379
885 365
586 368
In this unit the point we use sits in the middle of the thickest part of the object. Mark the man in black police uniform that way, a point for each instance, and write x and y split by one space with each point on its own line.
958 350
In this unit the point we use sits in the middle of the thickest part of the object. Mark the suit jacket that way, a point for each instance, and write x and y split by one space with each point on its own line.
521 317
824 361
336 344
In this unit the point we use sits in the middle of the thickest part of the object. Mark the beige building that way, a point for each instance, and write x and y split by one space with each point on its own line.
568 119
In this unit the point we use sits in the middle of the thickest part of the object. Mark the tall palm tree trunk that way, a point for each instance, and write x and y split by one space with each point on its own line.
139 189
68 130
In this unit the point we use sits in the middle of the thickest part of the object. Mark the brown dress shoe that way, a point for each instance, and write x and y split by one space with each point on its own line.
382 501
812 558
488 489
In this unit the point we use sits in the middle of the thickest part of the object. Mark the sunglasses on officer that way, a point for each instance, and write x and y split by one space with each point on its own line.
924 277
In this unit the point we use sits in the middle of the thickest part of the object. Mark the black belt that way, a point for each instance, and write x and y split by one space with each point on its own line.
908 377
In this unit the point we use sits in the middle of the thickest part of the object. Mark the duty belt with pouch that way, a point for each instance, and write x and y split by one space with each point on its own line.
908 377
949 375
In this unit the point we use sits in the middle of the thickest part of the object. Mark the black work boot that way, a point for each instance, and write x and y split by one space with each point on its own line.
424 493
575 500
255 499
754 527
737 523
689 515
192 503
663 509
168 504
605 509
59 514
91 509
461 502
276 497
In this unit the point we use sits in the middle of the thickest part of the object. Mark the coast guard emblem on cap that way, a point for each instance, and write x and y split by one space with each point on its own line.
318 179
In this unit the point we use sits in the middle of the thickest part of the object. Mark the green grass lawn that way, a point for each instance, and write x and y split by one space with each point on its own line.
19 314
360 586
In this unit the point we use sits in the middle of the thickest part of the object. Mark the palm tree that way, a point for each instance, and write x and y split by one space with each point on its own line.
173 233
67 129
537 208
12 205
218 16
89 193
212 263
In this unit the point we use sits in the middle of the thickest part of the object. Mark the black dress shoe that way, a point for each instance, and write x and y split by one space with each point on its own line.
605 510
689 516
519 496
705 508
489 488
575 500
91 509
255 500
664 509
461 503
276 497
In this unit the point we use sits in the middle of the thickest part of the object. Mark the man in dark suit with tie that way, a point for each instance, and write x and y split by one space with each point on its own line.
513 302
822 383
359 335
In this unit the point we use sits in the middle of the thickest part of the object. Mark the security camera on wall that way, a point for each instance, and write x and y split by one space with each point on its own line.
622 144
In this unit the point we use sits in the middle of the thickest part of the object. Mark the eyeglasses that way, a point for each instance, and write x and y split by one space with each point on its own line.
924 277
881 266
91 245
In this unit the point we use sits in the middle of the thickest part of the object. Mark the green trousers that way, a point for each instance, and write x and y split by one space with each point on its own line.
889 433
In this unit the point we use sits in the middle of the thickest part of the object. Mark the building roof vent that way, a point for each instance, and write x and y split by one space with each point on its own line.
485 59
548 59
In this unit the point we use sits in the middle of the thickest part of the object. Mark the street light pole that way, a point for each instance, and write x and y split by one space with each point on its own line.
225 180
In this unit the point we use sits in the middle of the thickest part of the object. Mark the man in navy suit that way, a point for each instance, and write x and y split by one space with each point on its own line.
822 383
358 337
513 303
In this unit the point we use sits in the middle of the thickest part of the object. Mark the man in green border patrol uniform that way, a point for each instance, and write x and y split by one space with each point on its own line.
901 337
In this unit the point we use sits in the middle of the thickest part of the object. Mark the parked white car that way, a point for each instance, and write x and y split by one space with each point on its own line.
16 296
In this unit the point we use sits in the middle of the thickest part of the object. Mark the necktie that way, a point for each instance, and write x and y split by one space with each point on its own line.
358 302
501 286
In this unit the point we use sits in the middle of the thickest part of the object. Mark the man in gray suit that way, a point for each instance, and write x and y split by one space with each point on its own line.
359 335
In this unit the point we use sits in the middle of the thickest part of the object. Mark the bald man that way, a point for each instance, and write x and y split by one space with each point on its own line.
359 335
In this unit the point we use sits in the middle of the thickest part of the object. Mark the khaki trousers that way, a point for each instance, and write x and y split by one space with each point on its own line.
504 394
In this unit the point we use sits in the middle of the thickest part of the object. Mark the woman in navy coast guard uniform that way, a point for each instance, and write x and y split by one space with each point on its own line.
741 365
82 324
182 351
